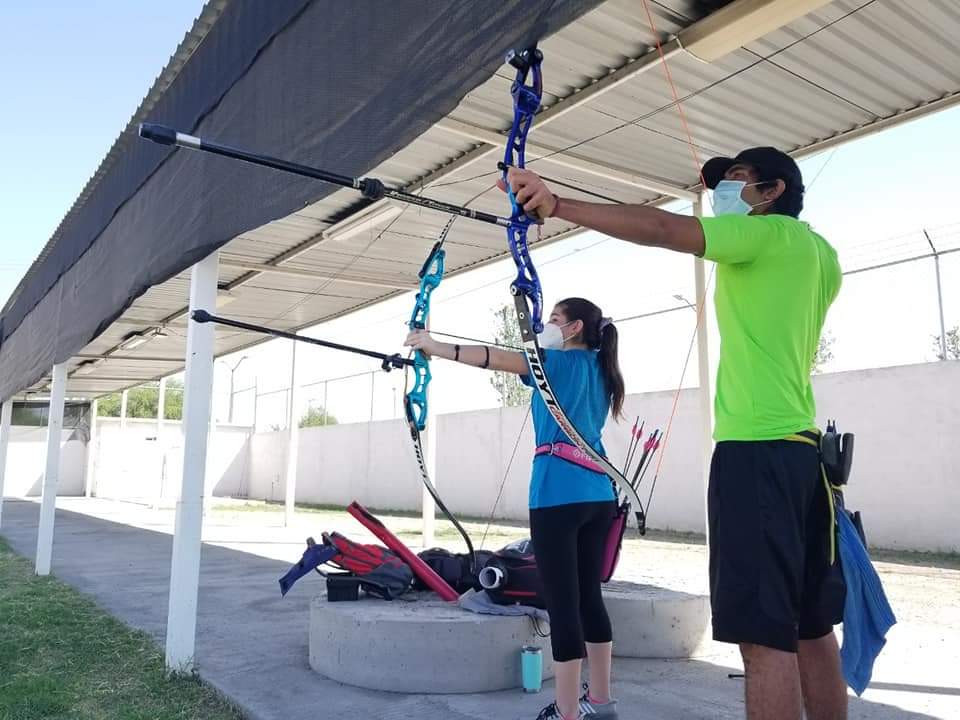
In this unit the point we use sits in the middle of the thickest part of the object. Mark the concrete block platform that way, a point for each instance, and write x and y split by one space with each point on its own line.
424 645
655 622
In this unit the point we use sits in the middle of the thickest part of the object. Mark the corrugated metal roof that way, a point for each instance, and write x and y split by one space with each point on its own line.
610 127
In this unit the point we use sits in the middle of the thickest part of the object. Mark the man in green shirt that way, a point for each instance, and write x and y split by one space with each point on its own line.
771 532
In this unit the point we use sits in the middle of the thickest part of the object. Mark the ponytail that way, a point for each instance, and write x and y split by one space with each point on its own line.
610 366
599 333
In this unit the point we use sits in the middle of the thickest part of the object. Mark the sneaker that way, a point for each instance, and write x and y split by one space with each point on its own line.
592 709
551 712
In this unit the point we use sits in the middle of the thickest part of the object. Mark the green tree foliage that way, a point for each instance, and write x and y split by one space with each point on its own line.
142 402
512 392
317 417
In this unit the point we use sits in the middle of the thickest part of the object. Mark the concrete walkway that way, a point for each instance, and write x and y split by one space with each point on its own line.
252 644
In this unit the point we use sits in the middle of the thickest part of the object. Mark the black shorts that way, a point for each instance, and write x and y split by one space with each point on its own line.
771 578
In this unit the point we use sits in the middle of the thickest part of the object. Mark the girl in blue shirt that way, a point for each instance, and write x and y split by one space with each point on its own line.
571 504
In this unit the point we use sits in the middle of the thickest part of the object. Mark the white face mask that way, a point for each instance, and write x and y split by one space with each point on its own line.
552 336
727 199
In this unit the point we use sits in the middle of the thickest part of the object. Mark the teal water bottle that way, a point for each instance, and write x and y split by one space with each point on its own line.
531 668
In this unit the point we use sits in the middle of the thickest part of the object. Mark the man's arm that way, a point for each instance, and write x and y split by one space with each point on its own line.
634 223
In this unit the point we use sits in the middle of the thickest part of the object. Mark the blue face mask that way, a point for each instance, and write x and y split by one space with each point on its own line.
727 199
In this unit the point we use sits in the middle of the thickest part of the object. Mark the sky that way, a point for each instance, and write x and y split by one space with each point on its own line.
73 74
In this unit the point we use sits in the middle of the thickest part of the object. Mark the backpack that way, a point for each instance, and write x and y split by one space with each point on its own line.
453 568
380 572
510 576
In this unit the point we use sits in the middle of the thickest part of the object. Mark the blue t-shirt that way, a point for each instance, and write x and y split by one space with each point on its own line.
577 382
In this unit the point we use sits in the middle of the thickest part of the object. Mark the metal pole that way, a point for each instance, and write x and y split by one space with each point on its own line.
373 380
198 391
93 450
943 327
161 411
293 443
256 398
51 475
230 406
6 413
703 367
326 413
123 412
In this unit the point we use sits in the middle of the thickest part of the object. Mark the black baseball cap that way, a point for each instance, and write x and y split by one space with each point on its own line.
772 163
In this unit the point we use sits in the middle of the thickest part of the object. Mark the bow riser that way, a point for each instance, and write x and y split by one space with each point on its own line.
431 275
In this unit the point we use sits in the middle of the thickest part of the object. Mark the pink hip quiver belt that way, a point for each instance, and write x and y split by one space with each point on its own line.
570 453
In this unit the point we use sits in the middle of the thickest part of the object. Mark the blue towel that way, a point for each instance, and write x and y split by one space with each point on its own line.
867 615
313 557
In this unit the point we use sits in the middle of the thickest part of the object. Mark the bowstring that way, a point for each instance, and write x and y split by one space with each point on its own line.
701 301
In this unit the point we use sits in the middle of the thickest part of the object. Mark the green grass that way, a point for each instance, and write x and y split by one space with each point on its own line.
63 657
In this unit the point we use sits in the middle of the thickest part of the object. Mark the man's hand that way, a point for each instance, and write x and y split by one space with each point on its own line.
421 340
531 192
637 224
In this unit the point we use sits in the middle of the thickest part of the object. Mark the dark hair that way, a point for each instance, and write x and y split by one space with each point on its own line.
603 339
790 201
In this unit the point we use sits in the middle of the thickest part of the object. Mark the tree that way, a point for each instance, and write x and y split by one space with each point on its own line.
953 344
824 353
513 393
317 417
173 400
142 402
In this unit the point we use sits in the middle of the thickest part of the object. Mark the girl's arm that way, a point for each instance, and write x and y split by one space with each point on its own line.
481 356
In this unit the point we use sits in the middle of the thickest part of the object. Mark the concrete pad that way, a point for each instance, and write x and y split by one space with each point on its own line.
657 622
253 645
419 645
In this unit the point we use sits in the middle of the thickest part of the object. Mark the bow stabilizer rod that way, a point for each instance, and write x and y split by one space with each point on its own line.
388 362
370 188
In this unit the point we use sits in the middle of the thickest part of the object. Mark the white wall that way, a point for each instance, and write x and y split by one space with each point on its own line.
26 460
369 462
906 468
137 464
906 474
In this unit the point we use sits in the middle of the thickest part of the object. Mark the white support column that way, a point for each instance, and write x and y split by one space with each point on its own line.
161 411
123 412
92 450
6 412
210 479
428 439
294 413
51 475
185 563
703 364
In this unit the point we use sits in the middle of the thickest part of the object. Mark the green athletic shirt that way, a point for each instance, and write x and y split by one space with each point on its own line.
775 281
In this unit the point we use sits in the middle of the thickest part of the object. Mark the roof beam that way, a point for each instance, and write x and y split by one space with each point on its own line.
876 126
493 140
145 358
558 156
309 274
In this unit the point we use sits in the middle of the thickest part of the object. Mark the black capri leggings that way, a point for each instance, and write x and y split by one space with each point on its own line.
568 541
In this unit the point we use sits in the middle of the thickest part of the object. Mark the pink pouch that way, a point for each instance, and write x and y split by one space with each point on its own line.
611 550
